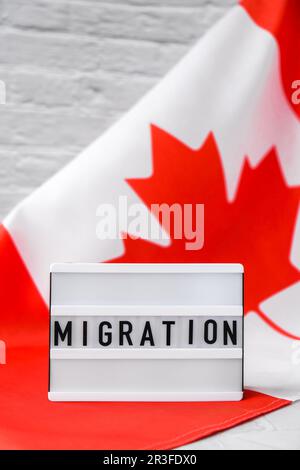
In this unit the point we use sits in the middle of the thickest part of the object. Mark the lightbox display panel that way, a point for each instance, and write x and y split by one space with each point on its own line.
146 332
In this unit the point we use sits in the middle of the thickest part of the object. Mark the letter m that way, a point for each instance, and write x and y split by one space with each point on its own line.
61 335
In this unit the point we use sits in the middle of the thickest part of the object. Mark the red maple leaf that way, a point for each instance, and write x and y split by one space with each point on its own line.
255 229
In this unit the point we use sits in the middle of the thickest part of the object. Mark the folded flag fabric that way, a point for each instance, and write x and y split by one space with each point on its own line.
222 129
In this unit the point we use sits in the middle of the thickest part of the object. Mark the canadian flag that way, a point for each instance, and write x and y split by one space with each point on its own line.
221 129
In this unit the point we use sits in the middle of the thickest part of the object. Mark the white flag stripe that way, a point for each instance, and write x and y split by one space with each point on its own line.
284 309
295 256
272 361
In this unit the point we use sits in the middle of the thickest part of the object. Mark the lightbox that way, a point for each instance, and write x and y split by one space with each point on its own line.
140 332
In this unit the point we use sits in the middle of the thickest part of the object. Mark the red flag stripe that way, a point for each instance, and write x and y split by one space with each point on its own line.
282 19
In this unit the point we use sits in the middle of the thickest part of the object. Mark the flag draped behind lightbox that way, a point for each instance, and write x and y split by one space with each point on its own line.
221 129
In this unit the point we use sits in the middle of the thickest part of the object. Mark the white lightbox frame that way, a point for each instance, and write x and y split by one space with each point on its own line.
150 374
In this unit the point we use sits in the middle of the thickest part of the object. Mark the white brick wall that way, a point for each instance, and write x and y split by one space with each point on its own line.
72 67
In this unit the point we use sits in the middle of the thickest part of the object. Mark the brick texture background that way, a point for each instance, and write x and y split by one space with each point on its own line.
72 67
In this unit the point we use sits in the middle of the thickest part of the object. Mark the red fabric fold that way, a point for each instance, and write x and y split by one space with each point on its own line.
282 19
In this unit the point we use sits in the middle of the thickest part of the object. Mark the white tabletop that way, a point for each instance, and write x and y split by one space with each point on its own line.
276 431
